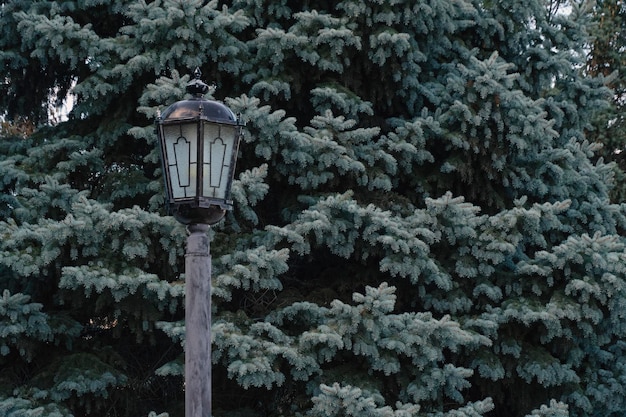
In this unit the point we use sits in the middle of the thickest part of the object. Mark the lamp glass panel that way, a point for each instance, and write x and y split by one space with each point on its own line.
181 147
219 141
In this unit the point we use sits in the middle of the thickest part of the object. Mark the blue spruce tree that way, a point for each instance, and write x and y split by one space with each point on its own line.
421 228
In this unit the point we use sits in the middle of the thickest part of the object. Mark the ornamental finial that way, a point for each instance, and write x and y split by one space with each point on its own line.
196 86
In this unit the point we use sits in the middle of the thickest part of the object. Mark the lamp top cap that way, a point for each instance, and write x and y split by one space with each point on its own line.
199 106
205 109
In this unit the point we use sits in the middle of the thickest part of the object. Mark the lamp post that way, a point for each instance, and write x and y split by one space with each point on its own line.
199 141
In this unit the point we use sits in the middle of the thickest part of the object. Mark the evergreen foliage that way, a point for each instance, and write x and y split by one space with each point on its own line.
606 60
422 225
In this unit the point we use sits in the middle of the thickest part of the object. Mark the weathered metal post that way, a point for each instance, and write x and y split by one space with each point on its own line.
198 323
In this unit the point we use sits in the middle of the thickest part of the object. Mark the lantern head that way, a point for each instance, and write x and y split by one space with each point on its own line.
199 141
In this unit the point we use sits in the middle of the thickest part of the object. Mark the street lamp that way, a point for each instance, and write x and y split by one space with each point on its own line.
199 141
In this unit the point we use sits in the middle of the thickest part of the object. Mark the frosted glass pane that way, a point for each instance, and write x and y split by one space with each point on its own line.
218 150
182 159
